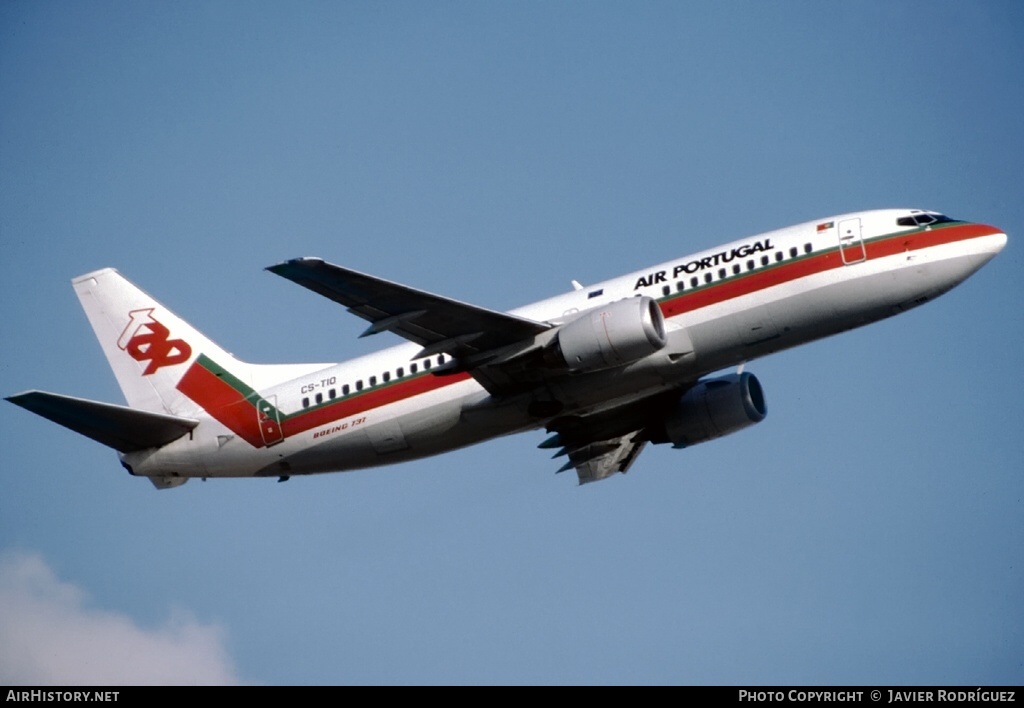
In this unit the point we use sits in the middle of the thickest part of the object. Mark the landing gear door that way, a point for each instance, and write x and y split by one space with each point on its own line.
270 420
851 241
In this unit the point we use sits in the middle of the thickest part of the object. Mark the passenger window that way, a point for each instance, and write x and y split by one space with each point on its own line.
694 282
707 277
345 389
332 394
440 359
319 398
792 252
359 385
750 265
665 290
426 364
413 368
779 256
807 248
373 381
680 286
764 260
400 373
736 269
305 402
721 273
387 376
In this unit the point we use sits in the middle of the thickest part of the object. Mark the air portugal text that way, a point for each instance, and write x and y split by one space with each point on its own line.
747 249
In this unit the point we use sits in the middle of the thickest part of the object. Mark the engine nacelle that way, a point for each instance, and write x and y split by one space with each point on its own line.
611 335
714 408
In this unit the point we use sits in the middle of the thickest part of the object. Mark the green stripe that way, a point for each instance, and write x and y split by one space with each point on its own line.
226 376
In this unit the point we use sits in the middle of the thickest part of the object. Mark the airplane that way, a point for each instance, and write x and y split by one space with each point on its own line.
604 369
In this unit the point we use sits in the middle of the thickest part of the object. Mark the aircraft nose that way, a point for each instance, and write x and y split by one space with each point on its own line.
994 243
998 242
989 245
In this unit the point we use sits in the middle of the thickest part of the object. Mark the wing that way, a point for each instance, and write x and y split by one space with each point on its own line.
437 323
600 444
597 460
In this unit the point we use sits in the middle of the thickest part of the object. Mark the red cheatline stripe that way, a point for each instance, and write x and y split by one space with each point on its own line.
787 271
398 391
223 402
238 413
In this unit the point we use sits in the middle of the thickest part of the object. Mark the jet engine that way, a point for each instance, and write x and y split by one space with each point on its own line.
611 335
715 407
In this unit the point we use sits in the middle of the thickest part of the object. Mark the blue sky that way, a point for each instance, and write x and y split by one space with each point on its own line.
869 531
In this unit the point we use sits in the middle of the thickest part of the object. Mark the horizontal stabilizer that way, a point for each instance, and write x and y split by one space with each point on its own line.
120 427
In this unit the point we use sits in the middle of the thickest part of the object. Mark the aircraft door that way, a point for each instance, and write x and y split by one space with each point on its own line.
269 420
851 241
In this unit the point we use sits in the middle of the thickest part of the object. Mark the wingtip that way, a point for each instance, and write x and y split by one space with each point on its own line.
303 260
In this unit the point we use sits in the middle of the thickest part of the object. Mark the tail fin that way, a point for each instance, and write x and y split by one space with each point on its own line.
148 346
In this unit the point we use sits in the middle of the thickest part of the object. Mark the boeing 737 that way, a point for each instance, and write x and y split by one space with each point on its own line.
604 369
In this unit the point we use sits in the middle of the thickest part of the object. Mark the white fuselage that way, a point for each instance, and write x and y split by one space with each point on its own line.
723 306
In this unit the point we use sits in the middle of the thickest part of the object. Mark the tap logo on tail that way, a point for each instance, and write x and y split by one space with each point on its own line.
145 339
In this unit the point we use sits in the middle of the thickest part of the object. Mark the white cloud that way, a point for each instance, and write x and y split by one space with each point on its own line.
49 636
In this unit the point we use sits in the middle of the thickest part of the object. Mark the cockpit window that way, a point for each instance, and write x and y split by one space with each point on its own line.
923 220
